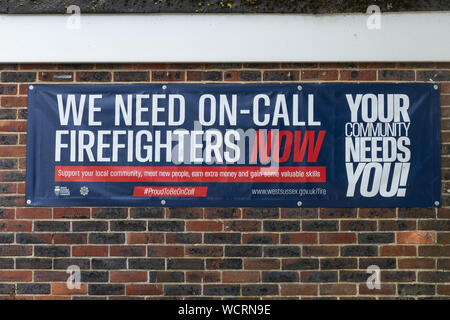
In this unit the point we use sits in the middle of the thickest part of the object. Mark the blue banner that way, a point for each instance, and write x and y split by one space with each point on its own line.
234 145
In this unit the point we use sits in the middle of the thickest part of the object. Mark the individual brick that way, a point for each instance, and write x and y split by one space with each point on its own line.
377 213
131 76
386 289
299 290
281 226
166 276
398 250
7 288
279 276
434 225
56 76
320 226
382 263
204 226
222 290
52 251
185 264
50 276
299 238
8 164
319 75
13 102
281 75
337 237
168 76
260 238
64 263
106 238
184 238
396 225
204 251
33 288
147 213
320 251
433 75
243 251
182 290
358 225
282 251
415 289
93 76
241 276
203 276
398 276
62 289
170 226
376 237
85 226
18 76
109 213
244 75
261 264
416 213
122 225
94 276
319 276
108 264
204 76
165 251
128 251
6 263
144 289
260 213
10 89
396 75
338 263
337 289
242 225
185 213
33 263
359 251
258 290
128 276
300 264
146 264
222 213
34 213
415 237
416 263
143 238
51 226
6 237
222 238
223 264
353 276
434 276
15 226
337 213
106 289
358 75
89 251
299 213
15 276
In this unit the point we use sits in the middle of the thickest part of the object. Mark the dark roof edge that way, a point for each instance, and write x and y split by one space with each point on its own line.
223 6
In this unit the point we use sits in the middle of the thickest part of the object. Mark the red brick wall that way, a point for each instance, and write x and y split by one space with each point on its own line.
153 253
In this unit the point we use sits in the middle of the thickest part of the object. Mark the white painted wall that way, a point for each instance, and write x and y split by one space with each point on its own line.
225 38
